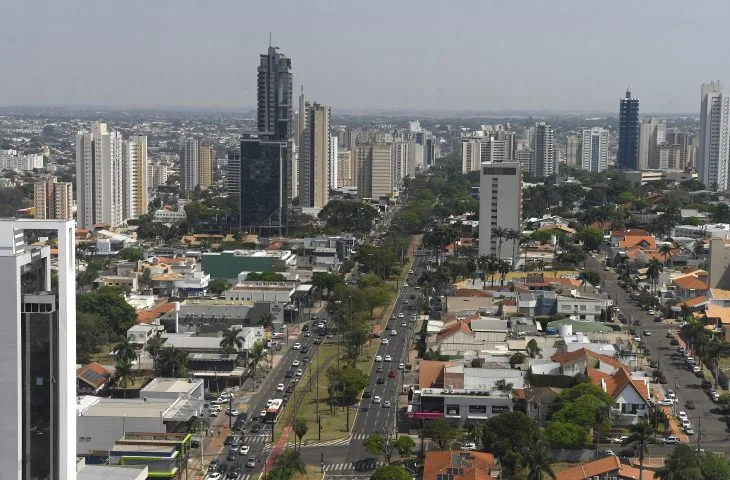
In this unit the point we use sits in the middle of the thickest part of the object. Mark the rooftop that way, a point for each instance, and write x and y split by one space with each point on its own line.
116 472
459 465
170 385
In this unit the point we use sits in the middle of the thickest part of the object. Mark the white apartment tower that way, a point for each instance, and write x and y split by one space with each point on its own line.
714 148
652 132
135 173
543 146
314 176
500 205
99 177
594 149
332 162
190 164
471 154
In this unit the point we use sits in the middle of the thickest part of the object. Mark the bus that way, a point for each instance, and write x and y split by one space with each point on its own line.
273 411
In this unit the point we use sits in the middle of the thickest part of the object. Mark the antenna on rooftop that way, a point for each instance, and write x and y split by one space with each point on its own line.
269 39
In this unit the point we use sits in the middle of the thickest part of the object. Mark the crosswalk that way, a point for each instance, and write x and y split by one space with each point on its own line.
361 436
343 467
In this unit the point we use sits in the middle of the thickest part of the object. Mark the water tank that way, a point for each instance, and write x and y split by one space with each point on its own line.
566 330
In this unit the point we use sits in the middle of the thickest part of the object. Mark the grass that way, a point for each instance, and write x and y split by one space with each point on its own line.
103 356
313 473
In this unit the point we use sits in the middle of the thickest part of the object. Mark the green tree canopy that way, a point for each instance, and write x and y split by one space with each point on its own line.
592 238
130 254
218 286
109 304
566 435
265 277
442 432
349 215
391 472
508 435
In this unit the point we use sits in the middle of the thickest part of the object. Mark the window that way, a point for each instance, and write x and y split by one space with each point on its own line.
477 409
444 476
452 410
454 471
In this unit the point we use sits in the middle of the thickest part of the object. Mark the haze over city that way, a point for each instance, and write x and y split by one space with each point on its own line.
431 56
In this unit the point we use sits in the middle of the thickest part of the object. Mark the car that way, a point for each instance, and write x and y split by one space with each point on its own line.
321 325
305 359
647 333
317 341
391 374
608 452
251 462
222 468
213 465
244 450
269 402
392 317
653 364
376 399
667 402
386 404
688 430
696 369
380 380
229 440
296 363
681 350
706 384
636 322
366 393
620 439
234 472
670 440
232 457
262 413
379 369
288 374
384 341
404 325
232 413
314 317
304 350
682 415
685 422
401 315
417 287
670 334
388 358
410 272
607 269
289 389
401 366
405 301
297 346
671 394
378 358
305 328
299 372
280 387
658 318
214 476
393 333
637 339
255 428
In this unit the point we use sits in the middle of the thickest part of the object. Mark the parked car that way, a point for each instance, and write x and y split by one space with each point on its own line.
689 404
670 440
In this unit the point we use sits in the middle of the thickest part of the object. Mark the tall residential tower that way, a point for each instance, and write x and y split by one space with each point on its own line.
628 133
714 141
594 149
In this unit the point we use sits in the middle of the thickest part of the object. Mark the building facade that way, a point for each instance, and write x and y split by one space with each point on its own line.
652 132
274 112
714 141
38 433
205 168
53 200
344 169
314 158
543 146
99 177
189 164
263 183
135 186
594 149
628 133
500 205
471 154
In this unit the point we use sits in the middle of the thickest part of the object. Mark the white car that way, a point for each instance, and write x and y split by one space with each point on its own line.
410 272
620 439
401 315
401 366
393 333
376 399
671 394
671 440
667 402
608 452
320 325
685 422
388 358
696 369
378 358
682 415
295 363
386 404
384 341
269 402
262 413
244 450
297 346
280 387
299 372
403 325
214 476
688 430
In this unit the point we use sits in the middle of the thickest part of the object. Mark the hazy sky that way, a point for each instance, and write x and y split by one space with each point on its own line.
428 54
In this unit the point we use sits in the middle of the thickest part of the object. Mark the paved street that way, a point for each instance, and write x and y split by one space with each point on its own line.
710 430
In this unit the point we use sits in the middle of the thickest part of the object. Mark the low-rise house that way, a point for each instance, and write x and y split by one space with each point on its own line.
630 393
92 379
130 283
459 465
691 284
140 334
609 467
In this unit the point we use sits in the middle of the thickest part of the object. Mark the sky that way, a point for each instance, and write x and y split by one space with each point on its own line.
484 55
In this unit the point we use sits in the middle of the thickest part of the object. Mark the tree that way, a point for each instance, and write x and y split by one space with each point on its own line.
404 445
391 472
503 385
109 304
173 363
500 234
441 431
218 286
566 435
665 250
267 321
349 215
130 254
265 277
507 435
641 434
230 341
537 457
290 463
653 269
680 465
91 333
125 351
375 444
714 467
533 349
300 429
255 355
124 374
516 359
592 238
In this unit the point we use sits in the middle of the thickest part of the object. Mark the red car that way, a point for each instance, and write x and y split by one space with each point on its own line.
391 374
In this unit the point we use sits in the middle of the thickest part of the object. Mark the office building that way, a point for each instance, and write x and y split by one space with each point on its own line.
53 200
652 132
628 133
38 353
471 154
134 189
345 174
713 152
99 175
401 156
500 205
263 184
300 122
205 169
543 146
494 150
314 160
687 143
375 179
594 149
572 150
274 93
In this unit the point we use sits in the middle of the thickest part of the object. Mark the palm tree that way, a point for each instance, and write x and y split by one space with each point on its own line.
666 251
173 363
124 374
154 344
230 341
533 349
653 269
267 321
514 237
483 263
711 355
290 463
257 353
492 267
300 429
641 433
538 457
525 241
500 234
125 351
503 270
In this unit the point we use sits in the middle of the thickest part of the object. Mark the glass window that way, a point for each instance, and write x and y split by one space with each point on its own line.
452 410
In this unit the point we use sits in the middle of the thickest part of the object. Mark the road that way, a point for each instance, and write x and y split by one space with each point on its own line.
709 428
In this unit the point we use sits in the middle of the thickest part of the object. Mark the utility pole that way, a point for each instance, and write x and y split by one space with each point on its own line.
699 433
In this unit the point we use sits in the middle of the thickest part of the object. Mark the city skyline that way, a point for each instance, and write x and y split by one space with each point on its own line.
335 62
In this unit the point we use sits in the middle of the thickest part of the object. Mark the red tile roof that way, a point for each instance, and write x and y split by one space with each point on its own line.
429 371
149 316
592 469
469 465
460 325
690 282
93 375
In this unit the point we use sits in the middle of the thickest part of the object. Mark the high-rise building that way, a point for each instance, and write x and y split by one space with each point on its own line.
526 158
263 184
401 155
652 132
205 169
594 149
374 164
275 97
628 133
543 146
500 205
190 164
345 174
572 150
669 157
332 162
686 143
233 174
314 160
494 150
134 177
99 175
301 123
714 141
38 354
53 200
471 154
159 175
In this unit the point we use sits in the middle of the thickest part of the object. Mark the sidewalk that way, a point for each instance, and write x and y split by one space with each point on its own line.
211 447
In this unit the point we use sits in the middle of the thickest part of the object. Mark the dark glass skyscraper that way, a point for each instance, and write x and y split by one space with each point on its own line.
628 133
274 102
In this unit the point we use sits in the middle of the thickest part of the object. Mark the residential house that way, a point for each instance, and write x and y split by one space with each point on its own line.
455 339
609 467
459 465
630 393
690 285
92 378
